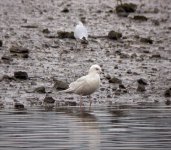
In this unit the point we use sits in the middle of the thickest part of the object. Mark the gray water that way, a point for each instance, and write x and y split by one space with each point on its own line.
146 127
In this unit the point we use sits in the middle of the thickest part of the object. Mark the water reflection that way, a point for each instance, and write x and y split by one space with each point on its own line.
104 127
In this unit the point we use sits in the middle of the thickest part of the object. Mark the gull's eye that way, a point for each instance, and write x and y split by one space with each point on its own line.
97 69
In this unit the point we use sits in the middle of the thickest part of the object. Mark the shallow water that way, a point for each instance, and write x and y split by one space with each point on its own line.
115 127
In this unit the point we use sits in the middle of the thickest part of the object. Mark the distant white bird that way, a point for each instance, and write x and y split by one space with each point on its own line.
80 32
86 85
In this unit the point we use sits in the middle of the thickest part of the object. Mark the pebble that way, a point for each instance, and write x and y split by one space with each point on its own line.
49 99
21 75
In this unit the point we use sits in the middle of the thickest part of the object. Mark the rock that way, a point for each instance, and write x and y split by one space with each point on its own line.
84 41
141 88
108 77
65 10
18 49
156 22
18 105
6 58
29 26
142 81
167 93
40 89
123 10
60 85
49 99
146 40
157 55
167 102
70 103
0 43
6 78
64 34
121 86
25 55
140 18
1 104
21 75
115 80
46 31
114 35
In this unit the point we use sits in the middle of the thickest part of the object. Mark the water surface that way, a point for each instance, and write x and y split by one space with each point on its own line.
116 127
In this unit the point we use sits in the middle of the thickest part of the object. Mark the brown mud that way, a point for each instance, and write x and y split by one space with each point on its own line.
143 51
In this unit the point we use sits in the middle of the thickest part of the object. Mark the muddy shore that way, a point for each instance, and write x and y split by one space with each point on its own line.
31 24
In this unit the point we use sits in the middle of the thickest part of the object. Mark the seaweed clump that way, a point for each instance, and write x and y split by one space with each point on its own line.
64 34
114 35
125 9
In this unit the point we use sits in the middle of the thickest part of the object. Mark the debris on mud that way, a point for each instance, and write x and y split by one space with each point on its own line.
46 31
114 35
125 9
157 55
142 83
18 105
60 85
167 93
40 90
49 100
115 80
69 103
146 40
65 10
168 102
141 88
0 43
140 18
29 26
65 34
6 78
6 59
18 49
21 75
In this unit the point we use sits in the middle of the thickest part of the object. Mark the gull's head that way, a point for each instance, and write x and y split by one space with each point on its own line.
95 69
80 23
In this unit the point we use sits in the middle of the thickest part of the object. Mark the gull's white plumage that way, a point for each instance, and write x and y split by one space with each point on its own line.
80 31
86 85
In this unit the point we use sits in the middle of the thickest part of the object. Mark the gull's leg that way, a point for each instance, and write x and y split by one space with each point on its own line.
76 44
81 101
90 101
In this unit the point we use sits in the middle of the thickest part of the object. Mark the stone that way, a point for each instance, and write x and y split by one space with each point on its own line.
146 40
167 93
114 35
0 43
142 81
18 105
69 103
124 9
64 34
21 75
18 49
121 86
60 85
157 55
49 99
141 88
140 18
115 80
65 10
40 90
46 31
168 102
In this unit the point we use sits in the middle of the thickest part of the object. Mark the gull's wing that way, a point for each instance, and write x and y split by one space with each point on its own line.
80 32
78 83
